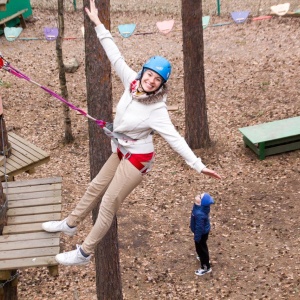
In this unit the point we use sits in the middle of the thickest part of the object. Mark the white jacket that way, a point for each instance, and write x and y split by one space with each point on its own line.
138 120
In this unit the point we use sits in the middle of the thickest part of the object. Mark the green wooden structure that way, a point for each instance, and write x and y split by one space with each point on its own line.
12 12
273 137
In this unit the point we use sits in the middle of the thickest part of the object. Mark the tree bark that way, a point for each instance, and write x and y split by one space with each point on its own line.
10 289
5 146
3 209
62 74
196 122
99 100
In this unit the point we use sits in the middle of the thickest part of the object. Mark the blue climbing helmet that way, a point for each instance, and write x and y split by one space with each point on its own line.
159 65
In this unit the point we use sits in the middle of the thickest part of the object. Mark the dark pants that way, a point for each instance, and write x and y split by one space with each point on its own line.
202 251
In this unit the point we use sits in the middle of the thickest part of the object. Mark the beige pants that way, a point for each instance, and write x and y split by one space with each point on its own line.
113 184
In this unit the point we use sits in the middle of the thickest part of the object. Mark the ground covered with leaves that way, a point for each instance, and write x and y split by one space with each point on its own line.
252 77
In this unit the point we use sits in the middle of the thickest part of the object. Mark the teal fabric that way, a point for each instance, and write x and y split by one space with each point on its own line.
11 33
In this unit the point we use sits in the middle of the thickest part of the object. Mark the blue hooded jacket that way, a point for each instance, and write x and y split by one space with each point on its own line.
200 223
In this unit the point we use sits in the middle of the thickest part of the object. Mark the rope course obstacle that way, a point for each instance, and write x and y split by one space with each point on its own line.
24 206
164 27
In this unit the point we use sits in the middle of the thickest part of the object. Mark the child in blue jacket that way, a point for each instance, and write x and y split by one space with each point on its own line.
200 226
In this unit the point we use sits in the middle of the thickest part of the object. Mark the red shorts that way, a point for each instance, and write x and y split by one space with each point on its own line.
137 159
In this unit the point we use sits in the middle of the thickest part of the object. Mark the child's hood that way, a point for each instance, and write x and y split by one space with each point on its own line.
207 200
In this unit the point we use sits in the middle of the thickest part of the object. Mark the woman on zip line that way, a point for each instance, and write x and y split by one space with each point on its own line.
141 110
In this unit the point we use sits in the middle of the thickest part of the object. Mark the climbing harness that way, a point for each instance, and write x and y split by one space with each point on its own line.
137 159
107 127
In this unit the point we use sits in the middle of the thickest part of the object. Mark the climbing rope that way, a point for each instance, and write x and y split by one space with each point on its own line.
107 127
5 65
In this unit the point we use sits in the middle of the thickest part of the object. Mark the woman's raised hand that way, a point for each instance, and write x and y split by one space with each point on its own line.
211 173
93 13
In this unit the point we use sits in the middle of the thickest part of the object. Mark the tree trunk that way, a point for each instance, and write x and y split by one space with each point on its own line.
5 146
99 95
10 289
196 123
3 209
62 74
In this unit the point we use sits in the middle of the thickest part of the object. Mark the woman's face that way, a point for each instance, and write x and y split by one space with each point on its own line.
151 81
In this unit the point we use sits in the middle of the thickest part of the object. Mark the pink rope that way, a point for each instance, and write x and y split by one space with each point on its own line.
6 66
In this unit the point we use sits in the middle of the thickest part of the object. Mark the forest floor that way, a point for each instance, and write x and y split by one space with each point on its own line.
252 77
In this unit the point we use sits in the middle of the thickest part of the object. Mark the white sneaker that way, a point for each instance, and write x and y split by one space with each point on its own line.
59 226
201 272
72 258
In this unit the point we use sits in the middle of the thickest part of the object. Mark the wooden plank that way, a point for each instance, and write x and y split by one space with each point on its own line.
272 130
24 146
25 253
18 158
28 263
22 159
13 163
21 245
24 228
34 210
35 195
13 136
24 169
264 149
33 189
24 243
33 219
32 166
28 236
17 14
25 157
282 148
31 182
34 202
288 14
27 153
287 140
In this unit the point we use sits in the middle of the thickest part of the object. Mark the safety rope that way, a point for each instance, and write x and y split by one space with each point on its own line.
5 65
12 277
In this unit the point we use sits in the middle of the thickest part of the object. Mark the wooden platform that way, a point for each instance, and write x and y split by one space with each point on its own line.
24 243
18 14
273 137
288 14
25 157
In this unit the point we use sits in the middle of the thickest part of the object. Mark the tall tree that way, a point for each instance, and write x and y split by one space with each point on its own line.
62 74
196 123
99 100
